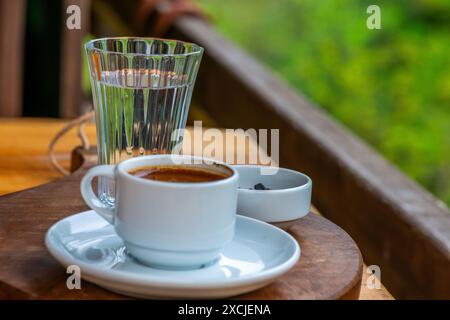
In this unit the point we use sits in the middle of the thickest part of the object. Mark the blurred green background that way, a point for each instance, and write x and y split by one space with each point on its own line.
389 86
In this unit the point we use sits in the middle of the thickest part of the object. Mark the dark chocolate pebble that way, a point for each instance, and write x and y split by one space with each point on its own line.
260 186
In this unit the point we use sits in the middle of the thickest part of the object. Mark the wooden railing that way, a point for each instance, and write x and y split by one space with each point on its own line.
398 225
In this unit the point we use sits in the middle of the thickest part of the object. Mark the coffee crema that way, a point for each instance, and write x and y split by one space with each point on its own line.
177 173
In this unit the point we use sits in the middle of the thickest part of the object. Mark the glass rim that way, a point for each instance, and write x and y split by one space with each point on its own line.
89 46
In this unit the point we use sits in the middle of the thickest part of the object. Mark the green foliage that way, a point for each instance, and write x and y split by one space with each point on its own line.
390 86
85 81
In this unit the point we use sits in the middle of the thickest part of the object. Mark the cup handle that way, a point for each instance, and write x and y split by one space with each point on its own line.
91 198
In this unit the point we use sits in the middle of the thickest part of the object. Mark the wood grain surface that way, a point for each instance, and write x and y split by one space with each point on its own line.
27 275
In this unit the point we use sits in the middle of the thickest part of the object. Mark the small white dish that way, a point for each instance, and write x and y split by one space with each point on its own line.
288 199
258 254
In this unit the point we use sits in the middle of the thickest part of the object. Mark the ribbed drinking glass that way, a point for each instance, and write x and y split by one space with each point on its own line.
141 90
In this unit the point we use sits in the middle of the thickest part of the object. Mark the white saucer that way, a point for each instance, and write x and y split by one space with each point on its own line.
258 254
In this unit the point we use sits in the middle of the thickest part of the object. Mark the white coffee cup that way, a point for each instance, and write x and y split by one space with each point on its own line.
168 224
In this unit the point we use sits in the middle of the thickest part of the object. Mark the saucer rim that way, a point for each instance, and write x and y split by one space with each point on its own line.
117 276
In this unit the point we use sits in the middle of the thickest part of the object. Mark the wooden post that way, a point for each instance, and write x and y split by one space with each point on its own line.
12 26
71 91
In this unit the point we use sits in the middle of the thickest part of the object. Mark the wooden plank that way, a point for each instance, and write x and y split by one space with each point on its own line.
24 162
400 226
71 91
12 26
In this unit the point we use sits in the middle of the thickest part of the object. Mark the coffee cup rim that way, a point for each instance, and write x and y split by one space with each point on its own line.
120 168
